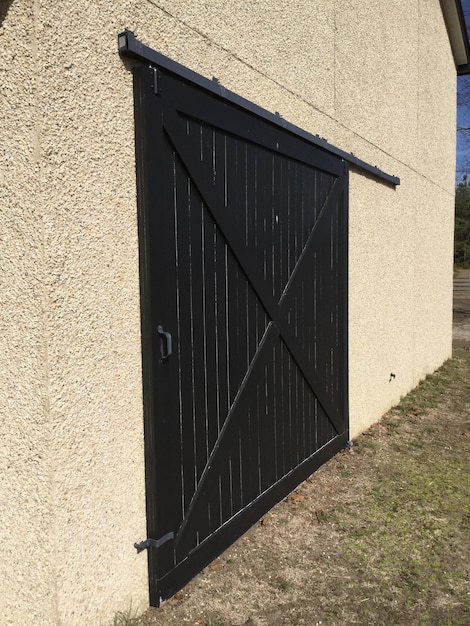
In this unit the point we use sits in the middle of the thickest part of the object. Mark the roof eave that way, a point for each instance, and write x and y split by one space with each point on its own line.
458 34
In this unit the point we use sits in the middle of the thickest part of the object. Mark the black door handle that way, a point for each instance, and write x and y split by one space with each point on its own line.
168 346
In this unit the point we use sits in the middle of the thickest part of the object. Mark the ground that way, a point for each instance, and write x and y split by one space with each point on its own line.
462 315
379 535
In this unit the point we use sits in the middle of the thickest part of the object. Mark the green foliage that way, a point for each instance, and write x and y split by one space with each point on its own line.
286 585
126 618
462 225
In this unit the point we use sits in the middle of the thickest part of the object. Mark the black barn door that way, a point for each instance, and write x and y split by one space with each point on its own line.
243 242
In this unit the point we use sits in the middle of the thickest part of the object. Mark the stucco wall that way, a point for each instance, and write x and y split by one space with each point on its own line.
26 553
72 485
373 78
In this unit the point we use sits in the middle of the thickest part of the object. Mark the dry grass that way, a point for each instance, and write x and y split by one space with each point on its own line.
379 535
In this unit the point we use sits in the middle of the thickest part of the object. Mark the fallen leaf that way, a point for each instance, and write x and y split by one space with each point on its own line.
297 497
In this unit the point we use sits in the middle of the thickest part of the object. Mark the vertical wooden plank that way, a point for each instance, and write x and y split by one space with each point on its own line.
268 461
243 327
236 313
287 170
215 347
265 217
160 380
304 440
222 270
276 218
248 438
188 444
311 216
242 285
234 473
288 390
197 327
233 280
322 316
236 281
343 301
209 303
295 377
278 417
309 422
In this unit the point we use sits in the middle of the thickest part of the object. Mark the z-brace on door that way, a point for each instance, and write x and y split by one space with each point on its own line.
243 241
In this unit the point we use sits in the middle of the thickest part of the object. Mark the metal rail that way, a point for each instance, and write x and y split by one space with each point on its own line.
130 46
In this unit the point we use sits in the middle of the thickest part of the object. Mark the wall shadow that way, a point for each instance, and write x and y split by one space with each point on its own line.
4 7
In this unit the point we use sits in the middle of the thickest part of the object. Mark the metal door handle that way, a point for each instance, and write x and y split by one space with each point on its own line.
167 338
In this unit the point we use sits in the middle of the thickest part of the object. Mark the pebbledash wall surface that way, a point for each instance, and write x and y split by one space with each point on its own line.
377 79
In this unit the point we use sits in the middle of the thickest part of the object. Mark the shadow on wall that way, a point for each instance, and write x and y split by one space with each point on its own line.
4 6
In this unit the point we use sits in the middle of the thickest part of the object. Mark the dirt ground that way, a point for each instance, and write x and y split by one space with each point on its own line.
379 535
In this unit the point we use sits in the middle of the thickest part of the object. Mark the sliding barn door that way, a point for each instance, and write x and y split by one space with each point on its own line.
243 244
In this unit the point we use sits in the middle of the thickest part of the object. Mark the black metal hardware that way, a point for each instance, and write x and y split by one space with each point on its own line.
129 45
155 81
166 336
153 543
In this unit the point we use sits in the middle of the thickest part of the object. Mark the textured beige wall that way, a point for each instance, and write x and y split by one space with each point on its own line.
93 311
400 304
26 542
72 498
373 78
401 240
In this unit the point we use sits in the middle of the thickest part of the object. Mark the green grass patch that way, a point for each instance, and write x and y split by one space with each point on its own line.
286 585
127 618
431 390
